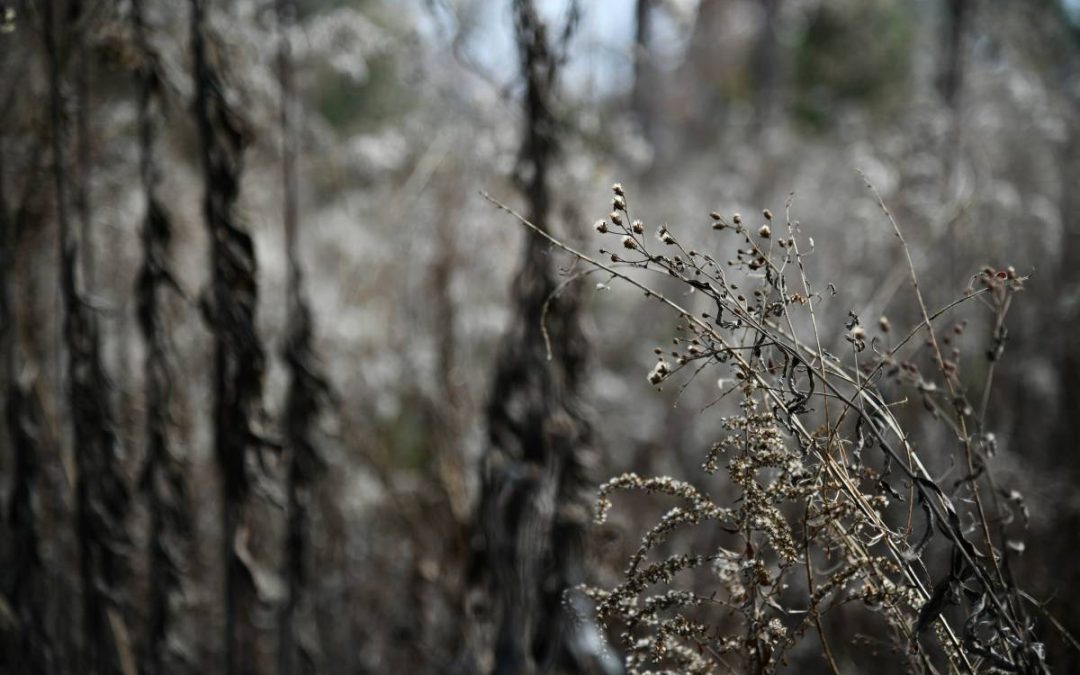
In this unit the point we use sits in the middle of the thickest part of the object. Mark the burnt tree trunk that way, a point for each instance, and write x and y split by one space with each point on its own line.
162 478
25 580
102 494
307 386
239 359
529 533
1063 323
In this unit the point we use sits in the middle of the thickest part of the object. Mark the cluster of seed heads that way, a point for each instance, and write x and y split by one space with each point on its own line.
806 522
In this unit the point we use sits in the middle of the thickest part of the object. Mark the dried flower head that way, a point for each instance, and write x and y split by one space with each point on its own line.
804 524
659 372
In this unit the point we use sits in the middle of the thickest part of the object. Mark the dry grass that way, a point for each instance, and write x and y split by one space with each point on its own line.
832 505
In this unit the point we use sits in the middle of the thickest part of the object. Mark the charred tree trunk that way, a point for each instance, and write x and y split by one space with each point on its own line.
307 385
529 536
24 588
238 356
102 495
79 17
1064 322
162 478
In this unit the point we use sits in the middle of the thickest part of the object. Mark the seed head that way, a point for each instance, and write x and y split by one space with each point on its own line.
659 372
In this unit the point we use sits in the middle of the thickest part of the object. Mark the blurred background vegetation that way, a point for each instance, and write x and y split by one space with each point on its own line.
963 113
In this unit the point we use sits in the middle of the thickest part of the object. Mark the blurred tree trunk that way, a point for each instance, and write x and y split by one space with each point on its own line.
24 585
162 479
447 410
102 495
529 531
957 19
644 94
307 386
1064 323
766 83
703 73
80 18
229 306
950 79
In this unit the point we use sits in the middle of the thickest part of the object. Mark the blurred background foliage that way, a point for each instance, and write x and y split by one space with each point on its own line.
963 113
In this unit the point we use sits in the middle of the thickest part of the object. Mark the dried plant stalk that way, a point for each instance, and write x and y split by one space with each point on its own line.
803 488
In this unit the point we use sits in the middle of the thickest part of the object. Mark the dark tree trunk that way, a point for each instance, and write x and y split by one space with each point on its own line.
102 494
83 206
1064 324
24 585
162 480
307 385
529 534
238 355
